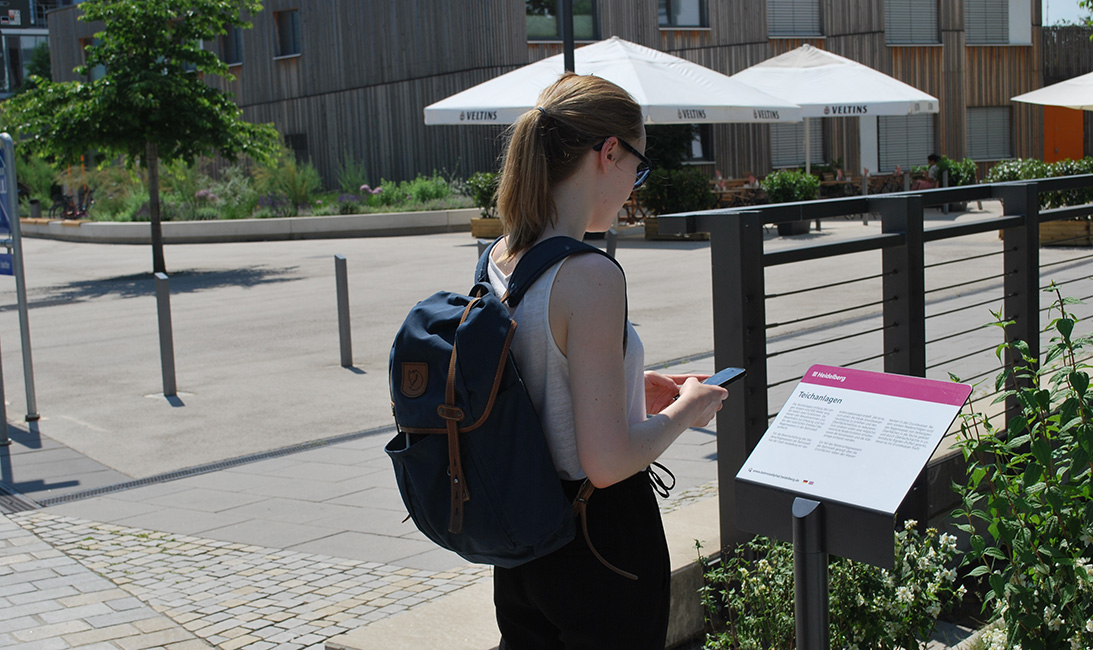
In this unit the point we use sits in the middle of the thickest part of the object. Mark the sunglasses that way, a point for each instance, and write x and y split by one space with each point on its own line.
644 166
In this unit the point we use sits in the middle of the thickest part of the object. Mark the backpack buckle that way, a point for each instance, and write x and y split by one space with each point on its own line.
449 412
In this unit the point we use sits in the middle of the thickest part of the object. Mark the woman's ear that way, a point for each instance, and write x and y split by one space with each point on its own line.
609 151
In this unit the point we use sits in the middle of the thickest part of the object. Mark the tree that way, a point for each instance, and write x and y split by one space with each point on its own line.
152 102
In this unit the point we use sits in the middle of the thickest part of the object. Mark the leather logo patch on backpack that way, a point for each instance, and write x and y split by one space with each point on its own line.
415 378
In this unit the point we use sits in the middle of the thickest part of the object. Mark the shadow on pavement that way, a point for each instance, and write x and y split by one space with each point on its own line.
143 284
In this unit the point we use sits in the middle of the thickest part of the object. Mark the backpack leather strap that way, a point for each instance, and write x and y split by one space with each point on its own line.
452 416
580 508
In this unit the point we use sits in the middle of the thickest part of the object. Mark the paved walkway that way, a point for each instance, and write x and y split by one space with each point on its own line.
256 510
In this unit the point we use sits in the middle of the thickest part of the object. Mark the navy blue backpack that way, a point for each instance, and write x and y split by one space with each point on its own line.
470 456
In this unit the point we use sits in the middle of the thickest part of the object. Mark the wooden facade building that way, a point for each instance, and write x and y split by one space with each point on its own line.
349 78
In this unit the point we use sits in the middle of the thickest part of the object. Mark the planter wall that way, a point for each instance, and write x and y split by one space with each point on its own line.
653 233
1067 233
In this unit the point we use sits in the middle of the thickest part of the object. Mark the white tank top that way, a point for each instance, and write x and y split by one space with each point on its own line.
545 369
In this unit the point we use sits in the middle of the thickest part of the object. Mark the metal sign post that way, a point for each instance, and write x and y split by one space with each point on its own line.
9 223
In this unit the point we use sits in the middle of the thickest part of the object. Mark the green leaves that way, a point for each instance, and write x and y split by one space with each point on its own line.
153 88
1031 535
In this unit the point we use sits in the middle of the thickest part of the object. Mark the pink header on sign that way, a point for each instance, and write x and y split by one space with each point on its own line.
882 383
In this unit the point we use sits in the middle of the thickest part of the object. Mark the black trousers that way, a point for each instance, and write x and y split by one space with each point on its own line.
569 600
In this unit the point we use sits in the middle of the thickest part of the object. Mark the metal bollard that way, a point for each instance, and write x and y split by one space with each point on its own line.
166 335
483 244
344 329
612 241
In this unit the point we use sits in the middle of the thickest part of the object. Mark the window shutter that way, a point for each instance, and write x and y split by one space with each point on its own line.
911 21
986 21
988 131
787 143
904 141
793 18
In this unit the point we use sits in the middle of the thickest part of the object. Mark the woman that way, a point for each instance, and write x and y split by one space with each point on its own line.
569 166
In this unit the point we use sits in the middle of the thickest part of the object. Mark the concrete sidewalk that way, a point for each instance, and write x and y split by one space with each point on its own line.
257 509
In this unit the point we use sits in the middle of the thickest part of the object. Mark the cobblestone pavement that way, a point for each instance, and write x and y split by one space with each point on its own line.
72 583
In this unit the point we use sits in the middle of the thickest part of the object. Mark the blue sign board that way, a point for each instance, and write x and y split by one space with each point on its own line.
6 265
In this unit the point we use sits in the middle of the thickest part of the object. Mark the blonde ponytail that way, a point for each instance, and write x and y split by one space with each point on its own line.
545 146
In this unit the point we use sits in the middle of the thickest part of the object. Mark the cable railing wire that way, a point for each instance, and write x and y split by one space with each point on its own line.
964 284
1066 261
960 358
836 312
825 286
966 307
968 259
828 341
955 334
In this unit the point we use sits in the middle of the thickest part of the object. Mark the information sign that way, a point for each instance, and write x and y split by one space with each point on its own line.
7 266
854 436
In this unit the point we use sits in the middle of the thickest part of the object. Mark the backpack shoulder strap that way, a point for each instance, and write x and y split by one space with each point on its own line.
535 262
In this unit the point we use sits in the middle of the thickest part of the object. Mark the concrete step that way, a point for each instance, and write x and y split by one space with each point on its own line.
464 620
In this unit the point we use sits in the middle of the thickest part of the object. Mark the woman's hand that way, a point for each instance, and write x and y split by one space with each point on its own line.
702 401
662 390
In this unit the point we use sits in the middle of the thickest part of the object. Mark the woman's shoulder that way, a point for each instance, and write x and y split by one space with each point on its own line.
590 280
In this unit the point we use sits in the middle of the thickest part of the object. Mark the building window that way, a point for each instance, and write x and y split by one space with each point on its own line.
794 18
787 143
997 22
297 143
904 141
288 32
99 71
231 46
911 21
989 133
986 21
543 20
682 13
702 146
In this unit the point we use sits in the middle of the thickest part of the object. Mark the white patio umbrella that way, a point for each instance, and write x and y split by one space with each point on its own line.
1074 93
670 90
828 85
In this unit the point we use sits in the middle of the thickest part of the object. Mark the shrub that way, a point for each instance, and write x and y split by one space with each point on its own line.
677 190
962 172
351 174
789 185
1028 503
749 597
236 193
482 188
289 181
38 175
1030 169
426 188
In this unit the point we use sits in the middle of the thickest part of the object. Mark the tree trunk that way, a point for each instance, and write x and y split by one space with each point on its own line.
158 263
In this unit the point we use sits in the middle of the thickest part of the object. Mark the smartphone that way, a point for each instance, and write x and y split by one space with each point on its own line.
725 377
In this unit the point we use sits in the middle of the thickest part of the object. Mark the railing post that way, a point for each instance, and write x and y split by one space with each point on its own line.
739 328
1021 273
904 286
904 315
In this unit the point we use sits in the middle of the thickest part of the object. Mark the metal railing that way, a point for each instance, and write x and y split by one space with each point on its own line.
889 310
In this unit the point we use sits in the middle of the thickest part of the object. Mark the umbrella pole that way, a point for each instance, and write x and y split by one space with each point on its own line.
567 34
808 149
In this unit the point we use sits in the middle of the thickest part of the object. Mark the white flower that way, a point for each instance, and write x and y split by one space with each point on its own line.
933 609
904 595
910 524
947 541
1086 537
1089 625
